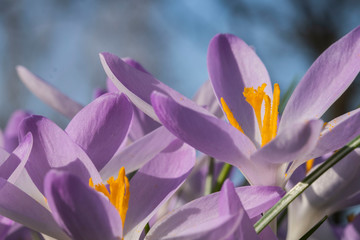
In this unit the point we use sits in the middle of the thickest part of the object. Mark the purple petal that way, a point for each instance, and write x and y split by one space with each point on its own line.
53 148
15 163
194 215
205 97
205 133
21 208
48 94
328 77
11 131
233 66
338 133
141 125
155 183
5 225
138 153
229 202
80 211
291 143
23 233
138 85
101 127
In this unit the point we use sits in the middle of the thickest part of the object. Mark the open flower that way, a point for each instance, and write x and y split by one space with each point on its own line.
235 71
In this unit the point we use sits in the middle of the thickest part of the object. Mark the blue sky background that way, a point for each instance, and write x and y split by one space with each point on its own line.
60 41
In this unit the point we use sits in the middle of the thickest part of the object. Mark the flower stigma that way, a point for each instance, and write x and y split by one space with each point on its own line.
255 97
119 193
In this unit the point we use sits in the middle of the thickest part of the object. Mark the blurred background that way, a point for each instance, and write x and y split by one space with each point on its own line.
59 40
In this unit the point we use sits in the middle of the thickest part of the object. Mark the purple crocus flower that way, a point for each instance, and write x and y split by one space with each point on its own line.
223 215
53 148
350 231
234 68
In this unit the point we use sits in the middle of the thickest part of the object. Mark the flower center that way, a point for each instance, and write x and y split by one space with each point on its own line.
255 97
119 193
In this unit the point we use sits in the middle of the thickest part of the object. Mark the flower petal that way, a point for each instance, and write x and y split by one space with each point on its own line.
155 183
101 127
48 94
82 212
53 148
291 143
11 140
21 208
338 133
205 97
205 133
233 66
138 85
194 215
328 77
138 153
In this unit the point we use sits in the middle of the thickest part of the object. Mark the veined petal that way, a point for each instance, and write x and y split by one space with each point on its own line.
82 212
192 217
205 133
328 77
155 183
53 148
234 66
48 94
21 208
337 133
101 127
138 153
291 143
138 85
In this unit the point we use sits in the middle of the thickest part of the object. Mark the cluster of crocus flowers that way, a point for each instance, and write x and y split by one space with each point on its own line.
111 172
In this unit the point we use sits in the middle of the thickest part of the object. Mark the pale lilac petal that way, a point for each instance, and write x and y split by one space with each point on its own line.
141 125
205 97
21 208
53 148
48 94
138 85
155 183
338 133
328 77
206 133
138 153
82 212
290 144
229 202
11 131
5 225
233 66
15 163
194 214
23 233
101 127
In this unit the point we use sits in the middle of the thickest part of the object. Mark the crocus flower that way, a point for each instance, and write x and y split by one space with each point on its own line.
234 70
350 231
335 190
151 186
223 215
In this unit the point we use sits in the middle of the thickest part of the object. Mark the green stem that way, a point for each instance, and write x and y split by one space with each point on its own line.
304 184
209 177
225 171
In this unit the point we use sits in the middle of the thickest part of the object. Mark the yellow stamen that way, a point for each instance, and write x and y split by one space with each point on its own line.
255 99
309 165
266 129
230 115
119 194
275 110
